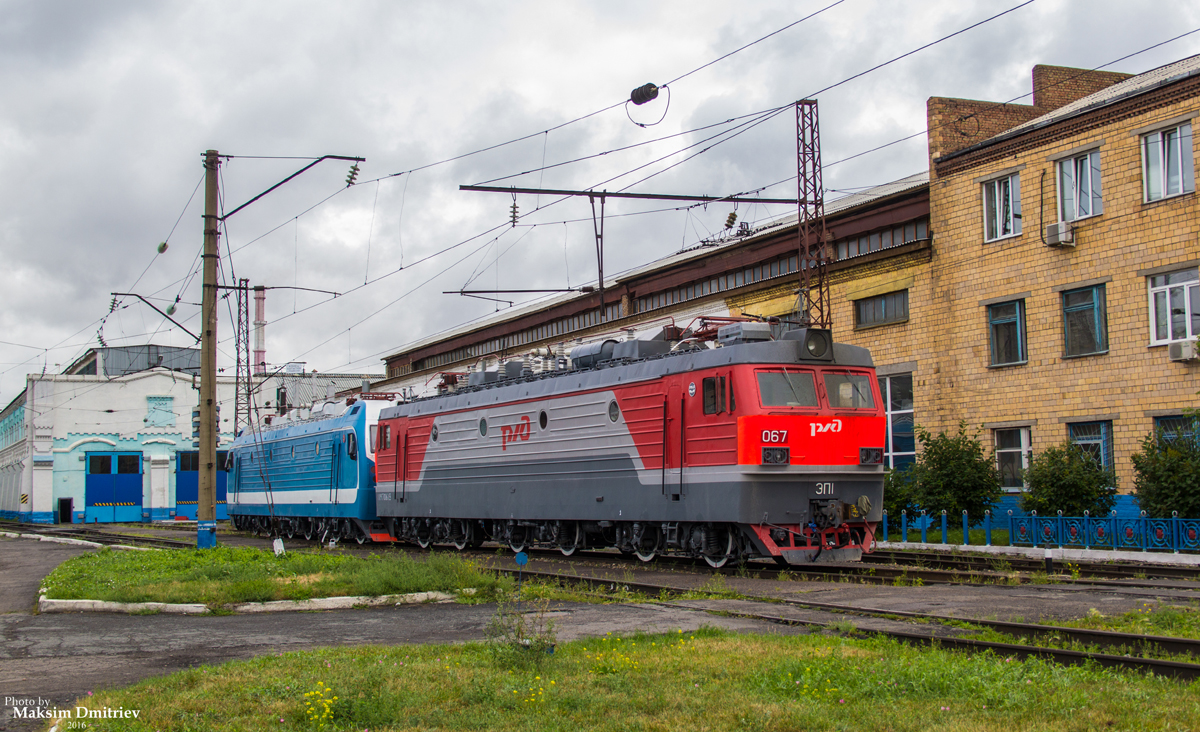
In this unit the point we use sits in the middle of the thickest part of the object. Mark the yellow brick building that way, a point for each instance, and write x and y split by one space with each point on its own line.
1063 264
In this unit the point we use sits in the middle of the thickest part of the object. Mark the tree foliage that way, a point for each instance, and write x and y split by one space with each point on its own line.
1070 479
1167 473
953 474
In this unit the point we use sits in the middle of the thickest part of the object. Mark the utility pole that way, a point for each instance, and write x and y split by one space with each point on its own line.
206 514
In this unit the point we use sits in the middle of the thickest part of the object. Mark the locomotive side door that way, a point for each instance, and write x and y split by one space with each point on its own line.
673 429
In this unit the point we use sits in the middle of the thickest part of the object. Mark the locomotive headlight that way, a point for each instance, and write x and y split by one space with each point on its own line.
776 456
817 343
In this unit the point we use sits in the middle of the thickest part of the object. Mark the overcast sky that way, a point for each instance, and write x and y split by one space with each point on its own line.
108 107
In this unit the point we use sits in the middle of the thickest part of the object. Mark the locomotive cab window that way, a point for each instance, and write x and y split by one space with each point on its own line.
714 395
351 445
787 388
849 391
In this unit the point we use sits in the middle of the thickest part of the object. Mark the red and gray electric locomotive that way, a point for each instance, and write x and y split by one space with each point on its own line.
724 448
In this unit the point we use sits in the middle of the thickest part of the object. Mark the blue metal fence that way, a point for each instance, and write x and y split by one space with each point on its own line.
1079 532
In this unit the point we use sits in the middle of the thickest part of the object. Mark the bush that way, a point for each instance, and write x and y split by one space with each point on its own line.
899 494
954 474
1070 479
1167 473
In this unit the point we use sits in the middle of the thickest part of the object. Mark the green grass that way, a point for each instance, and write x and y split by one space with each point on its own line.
707 680
226 575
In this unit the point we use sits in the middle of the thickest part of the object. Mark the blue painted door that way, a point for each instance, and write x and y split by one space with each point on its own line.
113 487
187 484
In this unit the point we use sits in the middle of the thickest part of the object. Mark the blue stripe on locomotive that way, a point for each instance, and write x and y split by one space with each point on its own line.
305 470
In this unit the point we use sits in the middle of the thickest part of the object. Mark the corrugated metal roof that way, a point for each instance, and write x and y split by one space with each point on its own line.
837 206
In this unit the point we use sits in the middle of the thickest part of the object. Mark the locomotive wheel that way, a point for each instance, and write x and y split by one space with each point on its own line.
577 539
424 535
359 535
517 541
718 561
310 530
463 537
647 549
289 529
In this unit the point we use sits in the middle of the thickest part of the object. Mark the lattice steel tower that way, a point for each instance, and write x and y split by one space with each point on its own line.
814 253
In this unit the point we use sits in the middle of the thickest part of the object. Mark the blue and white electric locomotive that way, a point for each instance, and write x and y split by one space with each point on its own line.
309 473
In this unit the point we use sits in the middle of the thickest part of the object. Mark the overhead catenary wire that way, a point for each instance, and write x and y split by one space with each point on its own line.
759 118
875 149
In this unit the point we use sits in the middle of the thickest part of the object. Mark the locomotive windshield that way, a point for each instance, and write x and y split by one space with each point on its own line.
787 389
849 391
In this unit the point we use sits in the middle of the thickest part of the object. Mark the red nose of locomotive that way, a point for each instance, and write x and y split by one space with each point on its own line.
783 440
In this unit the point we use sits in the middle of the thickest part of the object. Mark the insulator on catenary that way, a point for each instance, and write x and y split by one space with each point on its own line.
729 222
643 94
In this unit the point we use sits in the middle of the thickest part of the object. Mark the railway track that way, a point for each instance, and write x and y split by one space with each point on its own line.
882 567
902 570
938 633
111 539
980 562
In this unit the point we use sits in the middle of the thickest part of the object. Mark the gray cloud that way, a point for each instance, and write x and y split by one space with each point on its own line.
108 106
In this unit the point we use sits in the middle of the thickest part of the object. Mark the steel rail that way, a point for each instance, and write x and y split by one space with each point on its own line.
1178 669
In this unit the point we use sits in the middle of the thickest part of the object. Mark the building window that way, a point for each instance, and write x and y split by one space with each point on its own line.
1002 208
1079 187
880 310
1085 323
1174 306
1012 457
897 394
1006 322
1177 428
1095 438
1167 167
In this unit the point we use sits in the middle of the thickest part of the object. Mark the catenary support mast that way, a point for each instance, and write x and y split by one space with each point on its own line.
207 498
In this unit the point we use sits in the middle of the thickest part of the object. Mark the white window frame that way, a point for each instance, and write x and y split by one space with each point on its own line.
1189 291
1174 145
1080 195
1025 450
1002 208
885 394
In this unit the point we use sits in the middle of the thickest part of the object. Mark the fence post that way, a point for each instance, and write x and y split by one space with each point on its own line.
904 526
924 527
945 538
1145 531
1112 528
987 526
1176 532
885 526
966 533
1060 529
1087 530
1037 535
1010 527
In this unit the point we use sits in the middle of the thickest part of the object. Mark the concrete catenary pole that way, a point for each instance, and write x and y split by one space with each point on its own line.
206 533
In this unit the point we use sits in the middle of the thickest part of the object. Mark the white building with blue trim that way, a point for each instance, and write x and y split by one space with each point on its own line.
111 439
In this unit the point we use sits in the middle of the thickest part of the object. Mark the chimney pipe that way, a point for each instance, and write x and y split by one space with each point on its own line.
260 330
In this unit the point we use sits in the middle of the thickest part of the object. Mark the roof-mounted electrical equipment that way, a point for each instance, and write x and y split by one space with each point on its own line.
735 333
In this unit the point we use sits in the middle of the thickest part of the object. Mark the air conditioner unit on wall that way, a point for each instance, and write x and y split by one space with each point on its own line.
1182 351
1060 235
